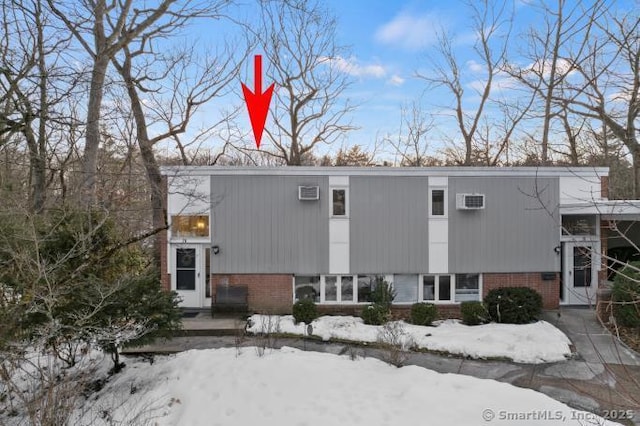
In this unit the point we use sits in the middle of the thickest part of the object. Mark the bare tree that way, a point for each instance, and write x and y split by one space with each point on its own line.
298 38
174 95
103 28
410 143
566 28
492 26
607 83
35 85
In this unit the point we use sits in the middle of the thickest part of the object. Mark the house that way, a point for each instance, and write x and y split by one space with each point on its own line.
442 235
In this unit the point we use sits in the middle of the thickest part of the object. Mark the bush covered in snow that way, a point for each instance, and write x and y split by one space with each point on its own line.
423 313
513 305
375 314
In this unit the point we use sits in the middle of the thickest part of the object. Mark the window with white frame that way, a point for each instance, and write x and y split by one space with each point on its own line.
339 202
438 198
406 288
436 288
337 289
467 287
307 287
189 226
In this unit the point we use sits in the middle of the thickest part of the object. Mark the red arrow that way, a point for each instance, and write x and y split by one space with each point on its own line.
257 102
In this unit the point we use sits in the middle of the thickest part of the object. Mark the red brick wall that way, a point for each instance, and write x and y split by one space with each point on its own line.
397 311
604 186
550 290
604 234
165 278
270 293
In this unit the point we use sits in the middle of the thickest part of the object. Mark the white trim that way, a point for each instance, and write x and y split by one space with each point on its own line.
436 289
586 172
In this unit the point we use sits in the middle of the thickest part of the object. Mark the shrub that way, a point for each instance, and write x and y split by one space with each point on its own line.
473 313
382 293
305 311
626 296
423 313
375 314
513 305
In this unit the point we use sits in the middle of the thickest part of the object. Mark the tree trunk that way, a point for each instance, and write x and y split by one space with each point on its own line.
92 138
146 151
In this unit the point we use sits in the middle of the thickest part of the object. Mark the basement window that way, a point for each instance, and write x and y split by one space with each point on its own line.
467 287
307 287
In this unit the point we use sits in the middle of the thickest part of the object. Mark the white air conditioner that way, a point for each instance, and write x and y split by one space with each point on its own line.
469 201
308 193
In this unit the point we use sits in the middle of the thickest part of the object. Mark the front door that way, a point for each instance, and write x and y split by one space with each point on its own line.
580 276
190 277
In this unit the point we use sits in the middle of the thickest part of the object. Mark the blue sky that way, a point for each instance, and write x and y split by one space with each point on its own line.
388 42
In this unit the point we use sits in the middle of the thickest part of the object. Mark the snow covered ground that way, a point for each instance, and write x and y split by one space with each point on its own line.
528 343
218 387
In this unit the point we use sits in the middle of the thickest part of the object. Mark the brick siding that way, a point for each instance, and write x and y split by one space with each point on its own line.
604 186
266 293
165 278
549 290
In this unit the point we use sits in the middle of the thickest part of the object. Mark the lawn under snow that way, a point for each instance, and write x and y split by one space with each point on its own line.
216 387
527 343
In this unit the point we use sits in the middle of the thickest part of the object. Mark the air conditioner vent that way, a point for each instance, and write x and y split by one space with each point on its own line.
470 201
308 193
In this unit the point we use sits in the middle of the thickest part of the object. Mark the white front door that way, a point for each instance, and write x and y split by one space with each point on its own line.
190 275
580 275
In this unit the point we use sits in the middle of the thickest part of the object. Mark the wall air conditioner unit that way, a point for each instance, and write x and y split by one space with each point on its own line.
470 201
308 193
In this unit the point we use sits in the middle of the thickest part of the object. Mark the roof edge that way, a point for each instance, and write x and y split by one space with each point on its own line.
387 171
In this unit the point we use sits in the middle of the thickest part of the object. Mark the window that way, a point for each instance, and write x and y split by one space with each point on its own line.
467 287
307 288
207 272
578 225
339 202
436 288
406 288
185 269
331 289
346 289
438 202
190 226
337 289
366 284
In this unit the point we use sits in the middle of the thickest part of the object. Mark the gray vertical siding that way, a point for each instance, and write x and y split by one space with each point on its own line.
262 227
388 224
512 234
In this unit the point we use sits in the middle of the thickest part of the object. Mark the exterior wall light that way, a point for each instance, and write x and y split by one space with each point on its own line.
215 249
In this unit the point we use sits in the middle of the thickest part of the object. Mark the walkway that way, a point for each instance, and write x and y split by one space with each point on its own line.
603 376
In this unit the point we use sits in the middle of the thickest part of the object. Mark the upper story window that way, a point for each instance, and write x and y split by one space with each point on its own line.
190 226
438 202
339 206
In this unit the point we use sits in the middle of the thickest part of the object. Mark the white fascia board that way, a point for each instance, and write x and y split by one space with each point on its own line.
584 172
604 207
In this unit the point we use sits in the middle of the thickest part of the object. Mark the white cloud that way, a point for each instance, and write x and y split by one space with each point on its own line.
410 31
395 80
562 67
474 66
501 83
352 67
